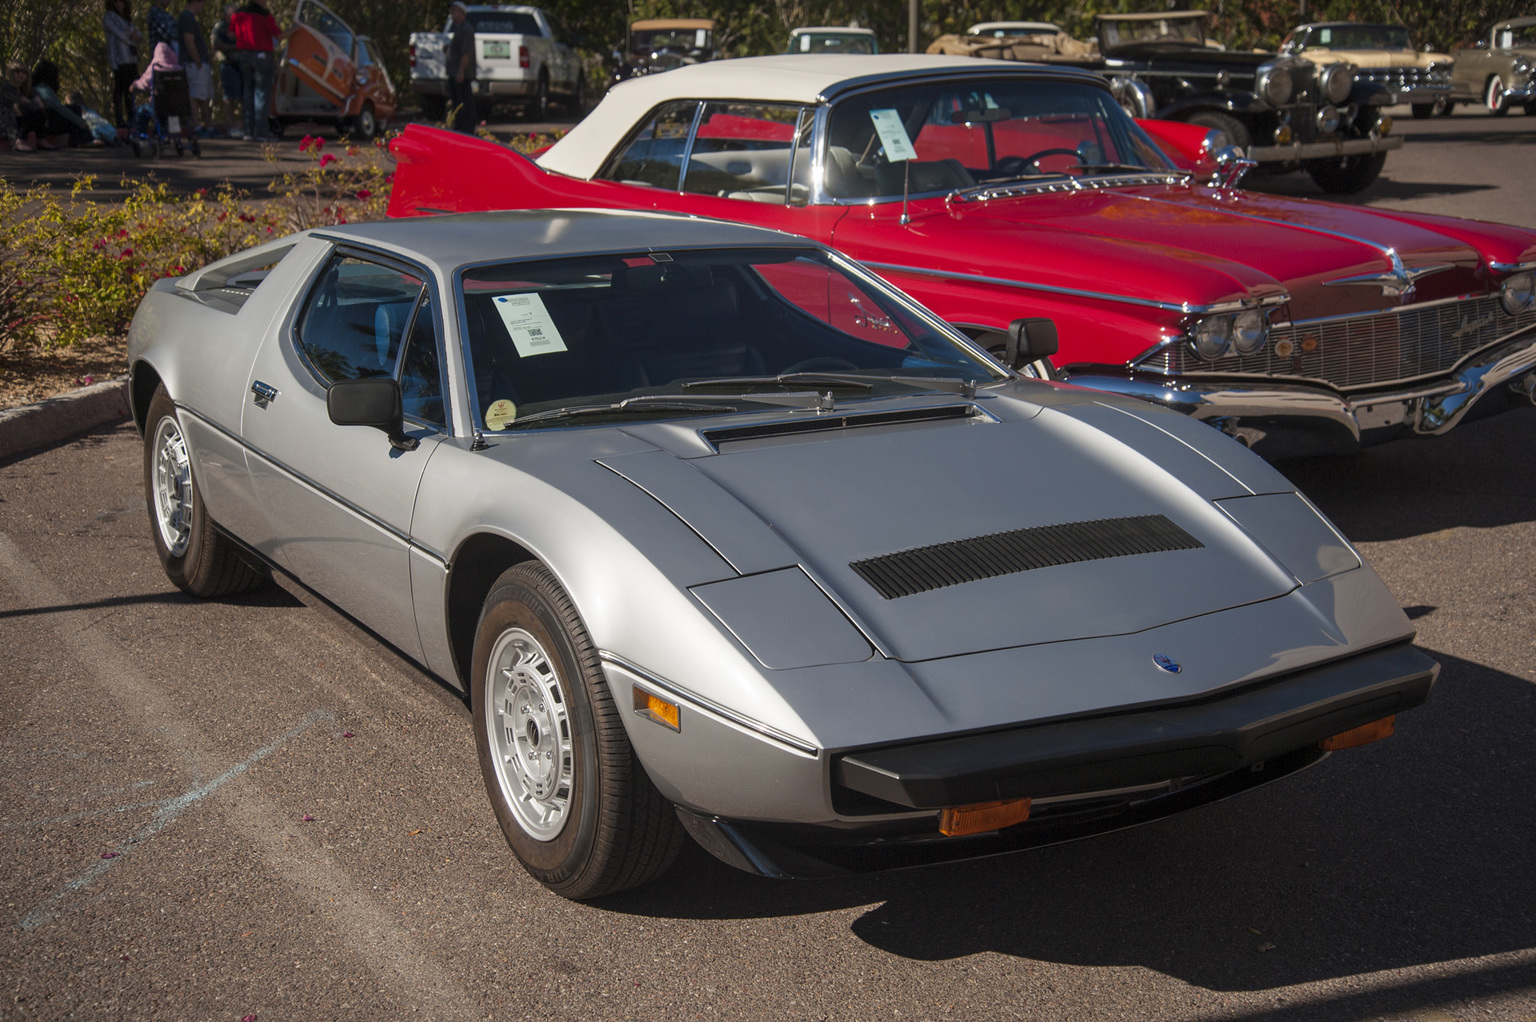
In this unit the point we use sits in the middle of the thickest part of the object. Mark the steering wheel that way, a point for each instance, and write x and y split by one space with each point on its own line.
820 364
1012 166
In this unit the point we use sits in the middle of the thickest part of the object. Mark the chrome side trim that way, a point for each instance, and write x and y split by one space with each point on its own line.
1268 302
330 495
983 193
678 692
1511 267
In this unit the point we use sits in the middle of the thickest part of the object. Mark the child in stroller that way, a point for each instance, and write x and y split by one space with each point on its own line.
164 118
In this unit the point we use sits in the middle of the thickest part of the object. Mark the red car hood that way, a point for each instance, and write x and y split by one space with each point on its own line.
1182 245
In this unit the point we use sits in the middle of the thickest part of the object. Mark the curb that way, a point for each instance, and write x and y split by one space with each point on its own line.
58 418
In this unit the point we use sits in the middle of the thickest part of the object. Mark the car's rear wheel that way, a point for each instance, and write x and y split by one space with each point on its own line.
364 126
1347 175
1423 111
1493 97
195 555
569 793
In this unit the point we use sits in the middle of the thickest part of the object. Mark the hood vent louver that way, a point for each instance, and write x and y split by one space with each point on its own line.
825 423
1005 553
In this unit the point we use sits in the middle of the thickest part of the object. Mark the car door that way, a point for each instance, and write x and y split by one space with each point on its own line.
338 500
318 69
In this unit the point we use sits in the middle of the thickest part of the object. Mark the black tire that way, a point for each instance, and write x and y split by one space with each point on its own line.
196 556
534 662
434 108
1347 174
364 126
1236 130
1422 111
276 128
538 107
1447 108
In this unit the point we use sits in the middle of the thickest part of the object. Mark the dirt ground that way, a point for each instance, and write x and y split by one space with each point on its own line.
30 374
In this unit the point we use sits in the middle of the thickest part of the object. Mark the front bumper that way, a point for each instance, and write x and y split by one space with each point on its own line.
1286 419
1424 93
498 88
1134 767
1323 150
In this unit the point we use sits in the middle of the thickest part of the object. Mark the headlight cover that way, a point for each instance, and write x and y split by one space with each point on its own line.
1274 85
1250 329
1211 337
1337 81
1518 293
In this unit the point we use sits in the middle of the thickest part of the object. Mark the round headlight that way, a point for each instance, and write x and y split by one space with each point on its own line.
1338 80
1275 85
1211 337
1517 295
1249 331
1328 120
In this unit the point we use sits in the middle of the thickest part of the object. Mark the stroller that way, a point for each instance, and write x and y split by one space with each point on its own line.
165 120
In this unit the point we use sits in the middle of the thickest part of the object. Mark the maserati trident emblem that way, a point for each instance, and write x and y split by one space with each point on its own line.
1167 663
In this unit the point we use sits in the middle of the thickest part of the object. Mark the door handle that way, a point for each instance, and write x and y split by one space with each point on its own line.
264 393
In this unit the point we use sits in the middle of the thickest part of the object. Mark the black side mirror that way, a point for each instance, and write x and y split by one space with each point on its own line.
370 402
1030 340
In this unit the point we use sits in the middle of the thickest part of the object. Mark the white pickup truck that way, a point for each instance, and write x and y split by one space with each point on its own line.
520 56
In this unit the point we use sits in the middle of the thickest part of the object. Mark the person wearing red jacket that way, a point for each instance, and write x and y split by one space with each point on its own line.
256 34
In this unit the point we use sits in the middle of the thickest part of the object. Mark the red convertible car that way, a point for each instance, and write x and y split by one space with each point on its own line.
997 193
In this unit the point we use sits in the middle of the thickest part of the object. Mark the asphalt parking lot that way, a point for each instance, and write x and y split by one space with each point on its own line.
224 810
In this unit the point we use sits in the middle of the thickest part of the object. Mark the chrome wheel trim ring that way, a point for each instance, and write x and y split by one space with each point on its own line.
528 726
172 485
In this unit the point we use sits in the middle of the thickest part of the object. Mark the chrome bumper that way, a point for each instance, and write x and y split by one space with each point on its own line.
1424 93
1284 419
499 87
1521 93
1323 150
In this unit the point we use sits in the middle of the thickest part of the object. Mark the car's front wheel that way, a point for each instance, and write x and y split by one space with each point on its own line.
1493 97
1236 131
1347 175
569 793
195 555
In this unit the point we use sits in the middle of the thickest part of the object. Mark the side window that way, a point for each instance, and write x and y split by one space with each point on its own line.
654 156
355 319
742 151
421 370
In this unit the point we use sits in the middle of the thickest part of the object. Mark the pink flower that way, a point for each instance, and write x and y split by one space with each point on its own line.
363 193
307 818
327 160
110 855
346 734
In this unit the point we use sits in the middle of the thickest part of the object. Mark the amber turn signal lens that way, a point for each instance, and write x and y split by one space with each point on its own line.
657 708
982 817
1365 734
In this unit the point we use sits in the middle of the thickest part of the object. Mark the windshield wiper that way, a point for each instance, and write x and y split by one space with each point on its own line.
645 403
783 379
860 381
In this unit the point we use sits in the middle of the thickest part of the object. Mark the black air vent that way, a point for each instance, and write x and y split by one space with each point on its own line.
823 423
1005 553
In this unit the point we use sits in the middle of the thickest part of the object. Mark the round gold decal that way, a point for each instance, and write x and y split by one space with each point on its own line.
500 415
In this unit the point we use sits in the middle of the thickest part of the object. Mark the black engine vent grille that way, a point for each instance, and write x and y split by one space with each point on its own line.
1006 553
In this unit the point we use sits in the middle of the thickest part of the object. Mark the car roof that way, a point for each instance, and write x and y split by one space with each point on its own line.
1515 23
1352 24
650 23
447 241
982 26
838 29
785 78
1156 16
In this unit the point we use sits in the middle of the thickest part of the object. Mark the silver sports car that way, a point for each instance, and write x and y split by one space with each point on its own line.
721 535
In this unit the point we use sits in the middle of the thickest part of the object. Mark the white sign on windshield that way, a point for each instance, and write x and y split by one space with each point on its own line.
893 136
526 319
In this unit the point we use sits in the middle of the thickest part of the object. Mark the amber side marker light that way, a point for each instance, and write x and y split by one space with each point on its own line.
657 709
1365 734
982 817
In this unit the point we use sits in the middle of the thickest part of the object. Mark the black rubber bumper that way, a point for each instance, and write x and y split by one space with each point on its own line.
1214 736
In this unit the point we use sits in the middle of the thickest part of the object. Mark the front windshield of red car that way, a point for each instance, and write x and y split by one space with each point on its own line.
693 333
965 134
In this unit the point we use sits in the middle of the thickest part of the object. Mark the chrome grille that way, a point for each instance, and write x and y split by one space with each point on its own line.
1405 77
1364 351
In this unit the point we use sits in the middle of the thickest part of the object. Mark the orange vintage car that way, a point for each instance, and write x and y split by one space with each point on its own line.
329 74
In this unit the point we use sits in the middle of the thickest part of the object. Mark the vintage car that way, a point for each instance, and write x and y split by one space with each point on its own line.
661 44
327 73
994 191
1500 70
719 533
832 39
1382 54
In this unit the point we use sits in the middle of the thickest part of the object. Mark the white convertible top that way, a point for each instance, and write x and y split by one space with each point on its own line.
787 78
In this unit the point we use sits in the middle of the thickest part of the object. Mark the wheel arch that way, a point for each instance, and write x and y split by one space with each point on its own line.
475 567
142 381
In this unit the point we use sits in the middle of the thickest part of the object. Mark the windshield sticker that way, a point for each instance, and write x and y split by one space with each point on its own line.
500 415
893 136
526 319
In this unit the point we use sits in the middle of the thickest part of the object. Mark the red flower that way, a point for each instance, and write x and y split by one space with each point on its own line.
125 253
363 193
327 160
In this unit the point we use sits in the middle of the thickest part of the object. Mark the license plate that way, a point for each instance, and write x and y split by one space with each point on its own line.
493 48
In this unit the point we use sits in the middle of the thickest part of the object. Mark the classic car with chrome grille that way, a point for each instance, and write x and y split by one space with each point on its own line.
1499 70
994 191
1382 54
720 534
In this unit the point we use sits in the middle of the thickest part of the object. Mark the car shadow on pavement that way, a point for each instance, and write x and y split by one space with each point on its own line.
1412 487
1411 852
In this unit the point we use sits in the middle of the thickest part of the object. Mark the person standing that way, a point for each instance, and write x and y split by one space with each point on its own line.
461 68
230 87
123 57
256 34
197 58
162 25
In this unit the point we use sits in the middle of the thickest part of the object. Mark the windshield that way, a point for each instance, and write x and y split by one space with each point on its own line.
1516 36
685 40
1178 32
1361 37
503 23
979 132
692 333
833 42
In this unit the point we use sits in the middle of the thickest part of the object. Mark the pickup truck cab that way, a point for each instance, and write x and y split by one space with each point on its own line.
521 55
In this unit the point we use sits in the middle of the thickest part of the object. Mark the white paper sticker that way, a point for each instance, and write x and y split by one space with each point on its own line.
526 319
173 125
893 136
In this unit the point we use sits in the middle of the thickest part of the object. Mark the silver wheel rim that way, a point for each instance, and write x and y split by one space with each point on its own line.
172 487
528 724
365 123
